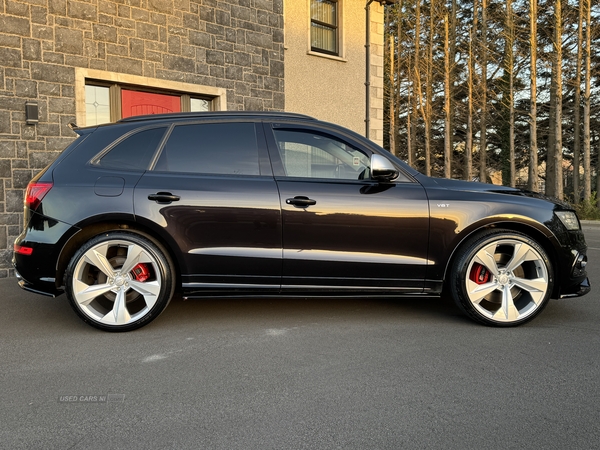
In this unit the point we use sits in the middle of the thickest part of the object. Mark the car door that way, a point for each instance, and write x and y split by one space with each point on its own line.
212 192
341 230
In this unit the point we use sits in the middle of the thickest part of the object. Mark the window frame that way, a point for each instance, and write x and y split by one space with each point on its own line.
217 97
335 27
115 98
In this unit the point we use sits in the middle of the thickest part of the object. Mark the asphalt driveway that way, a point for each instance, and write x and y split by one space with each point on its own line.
301 374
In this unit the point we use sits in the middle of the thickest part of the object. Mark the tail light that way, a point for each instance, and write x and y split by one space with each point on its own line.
35 193
21 250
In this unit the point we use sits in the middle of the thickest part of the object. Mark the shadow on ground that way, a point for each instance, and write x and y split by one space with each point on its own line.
33 310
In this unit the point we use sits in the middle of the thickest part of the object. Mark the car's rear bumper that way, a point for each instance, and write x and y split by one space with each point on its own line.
36 271
47 288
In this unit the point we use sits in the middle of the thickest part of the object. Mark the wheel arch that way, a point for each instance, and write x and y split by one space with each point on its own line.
542 235
102 224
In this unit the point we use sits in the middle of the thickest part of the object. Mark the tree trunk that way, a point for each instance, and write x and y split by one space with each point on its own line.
429 91
424 116
532 183
577 107
511 90
587 171
558 169
550 155
452 56
416 89
471 84
447 105
468 171
483 120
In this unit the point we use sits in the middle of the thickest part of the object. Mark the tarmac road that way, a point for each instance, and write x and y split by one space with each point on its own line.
301 374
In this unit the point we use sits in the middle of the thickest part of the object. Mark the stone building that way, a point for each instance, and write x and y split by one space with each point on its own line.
94 61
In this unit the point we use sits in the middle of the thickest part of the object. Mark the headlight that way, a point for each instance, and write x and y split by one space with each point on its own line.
569 219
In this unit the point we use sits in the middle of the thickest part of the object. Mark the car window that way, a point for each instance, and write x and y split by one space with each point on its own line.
134 152
313 155
212 148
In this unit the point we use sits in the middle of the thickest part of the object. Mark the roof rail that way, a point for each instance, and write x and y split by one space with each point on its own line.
219 114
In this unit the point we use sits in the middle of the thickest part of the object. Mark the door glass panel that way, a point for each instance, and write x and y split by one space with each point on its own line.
218 148
312 155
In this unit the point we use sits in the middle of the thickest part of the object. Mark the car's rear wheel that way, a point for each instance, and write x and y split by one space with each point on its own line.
502 278
119 281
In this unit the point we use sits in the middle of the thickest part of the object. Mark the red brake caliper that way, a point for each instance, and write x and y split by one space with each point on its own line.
479 274
140 272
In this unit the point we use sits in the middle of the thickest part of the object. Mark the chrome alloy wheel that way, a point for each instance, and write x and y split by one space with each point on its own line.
507 280
116 282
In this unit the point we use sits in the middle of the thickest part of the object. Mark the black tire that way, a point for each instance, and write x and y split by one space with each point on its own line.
516 293
111 299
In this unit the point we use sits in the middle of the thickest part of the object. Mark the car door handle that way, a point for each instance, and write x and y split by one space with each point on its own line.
163 197
301 202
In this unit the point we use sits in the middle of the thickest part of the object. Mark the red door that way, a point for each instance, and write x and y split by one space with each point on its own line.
136 103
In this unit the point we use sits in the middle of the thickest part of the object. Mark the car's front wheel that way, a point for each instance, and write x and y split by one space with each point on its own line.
119 281
501 278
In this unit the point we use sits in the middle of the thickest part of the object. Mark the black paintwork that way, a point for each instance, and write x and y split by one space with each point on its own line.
239 235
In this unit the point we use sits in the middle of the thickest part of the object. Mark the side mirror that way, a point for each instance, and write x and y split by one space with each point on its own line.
382 169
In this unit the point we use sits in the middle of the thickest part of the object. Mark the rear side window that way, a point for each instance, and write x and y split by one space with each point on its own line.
135 152
212 148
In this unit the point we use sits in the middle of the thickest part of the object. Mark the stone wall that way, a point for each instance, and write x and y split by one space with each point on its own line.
236 45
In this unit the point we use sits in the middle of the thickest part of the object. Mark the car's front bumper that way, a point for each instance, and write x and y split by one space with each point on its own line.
571 274
577 290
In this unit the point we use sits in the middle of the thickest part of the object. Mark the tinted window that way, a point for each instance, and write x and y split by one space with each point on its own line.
215 148
313 155
135 151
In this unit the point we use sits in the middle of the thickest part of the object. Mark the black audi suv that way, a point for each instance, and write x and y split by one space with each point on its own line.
276 204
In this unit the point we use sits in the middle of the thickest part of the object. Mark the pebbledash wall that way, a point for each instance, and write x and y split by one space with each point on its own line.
331 87
227 54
